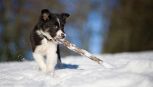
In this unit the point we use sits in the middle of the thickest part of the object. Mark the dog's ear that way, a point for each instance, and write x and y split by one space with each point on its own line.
65 15
45 11
45 14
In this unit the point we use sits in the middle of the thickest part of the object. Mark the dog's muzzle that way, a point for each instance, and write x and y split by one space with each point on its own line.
63 35
60 34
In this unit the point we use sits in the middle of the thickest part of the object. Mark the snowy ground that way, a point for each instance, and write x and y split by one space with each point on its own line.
128 70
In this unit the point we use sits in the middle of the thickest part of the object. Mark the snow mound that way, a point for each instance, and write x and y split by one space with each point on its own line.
118 70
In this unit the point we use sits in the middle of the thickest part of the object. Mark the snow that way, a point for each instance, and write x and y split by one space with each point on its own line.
118 70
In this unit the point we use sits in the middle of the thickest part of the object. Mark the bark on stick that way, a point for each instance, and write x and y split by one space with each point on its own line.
80 51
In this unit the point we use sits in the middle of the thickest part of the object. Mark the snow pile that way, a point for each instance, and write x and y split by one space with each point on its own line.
119 70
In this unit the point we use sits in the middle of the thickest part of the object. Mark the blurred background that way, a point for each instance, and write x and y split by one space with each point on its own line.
99 26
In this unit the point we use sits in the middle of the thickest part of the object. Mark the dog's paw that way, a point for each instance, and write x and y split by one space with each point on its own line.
51 74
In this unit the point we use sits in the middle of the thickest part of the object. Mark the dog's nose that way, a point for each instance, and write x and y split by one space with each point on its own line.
63 35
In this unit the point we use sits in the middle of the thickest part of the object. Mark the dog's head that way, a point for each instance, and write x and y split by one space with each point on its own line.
54 23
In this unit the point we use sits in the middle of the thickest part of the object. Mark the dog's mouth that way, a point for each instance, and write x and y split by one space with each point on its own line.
62 36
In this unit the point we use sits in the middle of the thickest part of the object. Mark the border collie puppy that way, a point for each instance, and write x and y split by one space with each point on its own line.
45 49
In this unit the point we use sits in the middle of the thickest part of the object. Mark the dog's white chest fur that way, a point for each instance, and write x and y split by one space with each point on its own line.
48 49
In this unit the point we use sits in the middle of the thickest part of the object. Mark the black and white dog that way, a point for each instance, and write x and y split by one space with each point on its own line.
45 49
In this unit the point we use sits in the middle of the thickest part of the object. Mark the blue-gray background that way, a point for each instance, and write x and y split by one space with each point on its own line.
89 26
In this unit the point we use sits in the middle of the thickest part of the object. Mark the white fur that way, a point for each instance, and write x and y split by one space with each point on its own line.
48 49
58 21
40 61
59 33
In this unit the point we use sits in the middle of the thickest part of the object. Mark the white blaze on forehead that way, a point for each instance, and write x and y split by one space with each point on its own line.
58 21
59 32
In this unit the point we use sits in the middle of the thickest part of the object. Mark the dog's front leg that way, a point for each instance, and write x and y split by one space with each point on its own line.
51 59
40 61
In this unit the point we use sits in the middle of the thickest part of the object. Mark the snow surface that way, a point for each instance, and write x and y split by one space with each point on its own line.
119 70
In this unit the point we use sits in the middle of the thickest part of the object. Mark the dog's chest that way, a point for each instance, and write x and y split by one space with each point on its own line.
46 47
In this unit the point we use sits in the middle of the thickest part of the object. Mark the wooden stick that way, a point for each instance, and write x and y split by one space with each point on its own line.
78 50
72 47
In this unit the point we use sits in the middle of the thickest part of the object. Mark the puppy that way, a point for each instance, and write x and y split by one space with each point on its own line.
45 50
